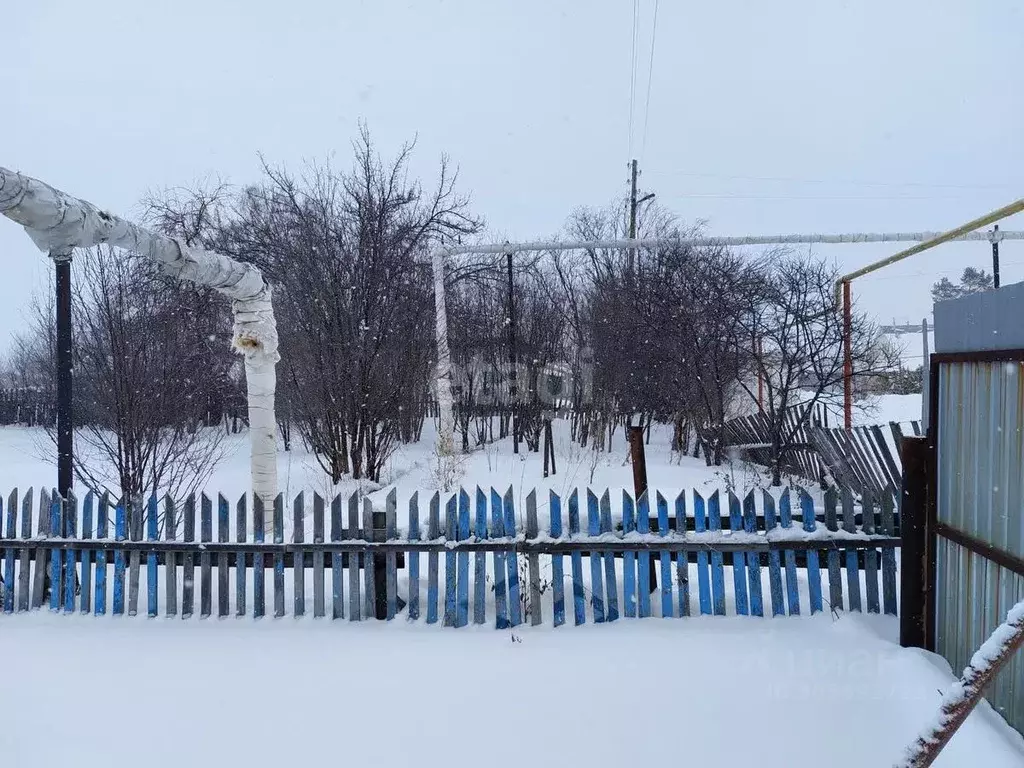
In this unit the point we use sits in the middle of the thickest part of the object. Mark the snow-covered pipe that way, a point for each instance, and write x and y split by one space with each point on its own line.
445 402
964 695
444 394
56 221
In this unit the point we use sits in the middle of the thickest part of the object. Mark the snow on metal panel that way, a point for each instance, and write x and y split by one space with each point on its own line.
988 320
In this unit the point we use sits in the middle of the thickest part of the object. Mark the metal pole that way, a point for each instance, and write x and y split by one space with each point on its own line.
925 374
631 264
65 435
513 389
995 238
847 357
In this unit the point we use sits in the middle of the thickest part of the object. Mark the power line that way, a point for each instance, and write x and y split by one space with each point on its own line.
650 76
632 73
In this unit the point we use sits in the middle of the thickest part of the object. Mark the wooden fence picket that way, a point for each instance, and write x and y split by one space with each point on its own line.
414 558
462 560
337 575
355 606
24 565
69 508
666 559
369 564
533 560
171 558
241 537
205 560
223 573
699 526
501 616
119 561
515 608
557 565
813 566
579 595
12 531
298 561
611 582
852 566
682 558
278 524
42 555
451 529
85 602
888 554
433 534
56 531
628 558
318 557
870 555
739 565
259 565
643 560
774 559
480 559
391 558
596 559
717 567
792 584
135 525
152 534
102 516
835 583
753 558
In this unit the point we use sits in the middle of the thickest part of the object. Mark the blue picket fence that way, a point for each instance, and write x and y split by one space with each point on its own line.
780 554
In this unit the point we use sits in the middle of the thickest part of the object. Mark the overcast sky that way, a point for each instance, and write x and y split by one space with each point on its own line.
795 116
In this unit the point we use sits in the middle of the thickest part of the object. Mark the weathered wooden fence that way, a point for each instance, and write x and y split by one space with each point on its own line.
752 435
482 559
862 458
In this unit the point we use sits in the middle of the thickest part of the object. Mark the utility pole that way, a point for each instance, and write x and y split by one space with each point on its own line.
65 447
513 389
632 215
994 237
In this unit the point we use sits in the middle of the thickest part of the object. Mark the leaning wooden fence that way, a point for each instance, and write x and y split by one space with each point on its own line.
862 458
483 561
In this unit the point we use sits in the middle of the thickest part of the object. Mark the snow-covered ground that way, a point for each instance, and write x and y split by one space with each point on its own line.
706 692
831 689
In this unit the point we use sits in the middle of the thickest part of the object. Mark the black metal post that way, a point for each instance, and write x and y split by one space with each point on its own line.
913 512
65 439
514 381
995 256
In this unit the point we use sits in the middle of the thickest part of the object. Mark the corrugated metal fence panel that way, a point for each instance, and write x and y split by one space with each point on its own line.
981 452
983 592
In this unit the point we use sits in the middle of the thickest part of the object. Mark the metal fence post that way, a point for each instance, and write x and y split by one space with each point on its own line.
915 593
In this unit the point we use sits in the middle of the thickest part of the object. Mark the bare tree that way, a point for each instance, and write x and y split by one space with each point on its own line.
347 252
146 361
794 342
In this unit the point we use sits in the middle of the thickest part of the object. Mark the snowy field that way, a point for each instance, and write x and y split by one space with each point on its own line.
709 692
